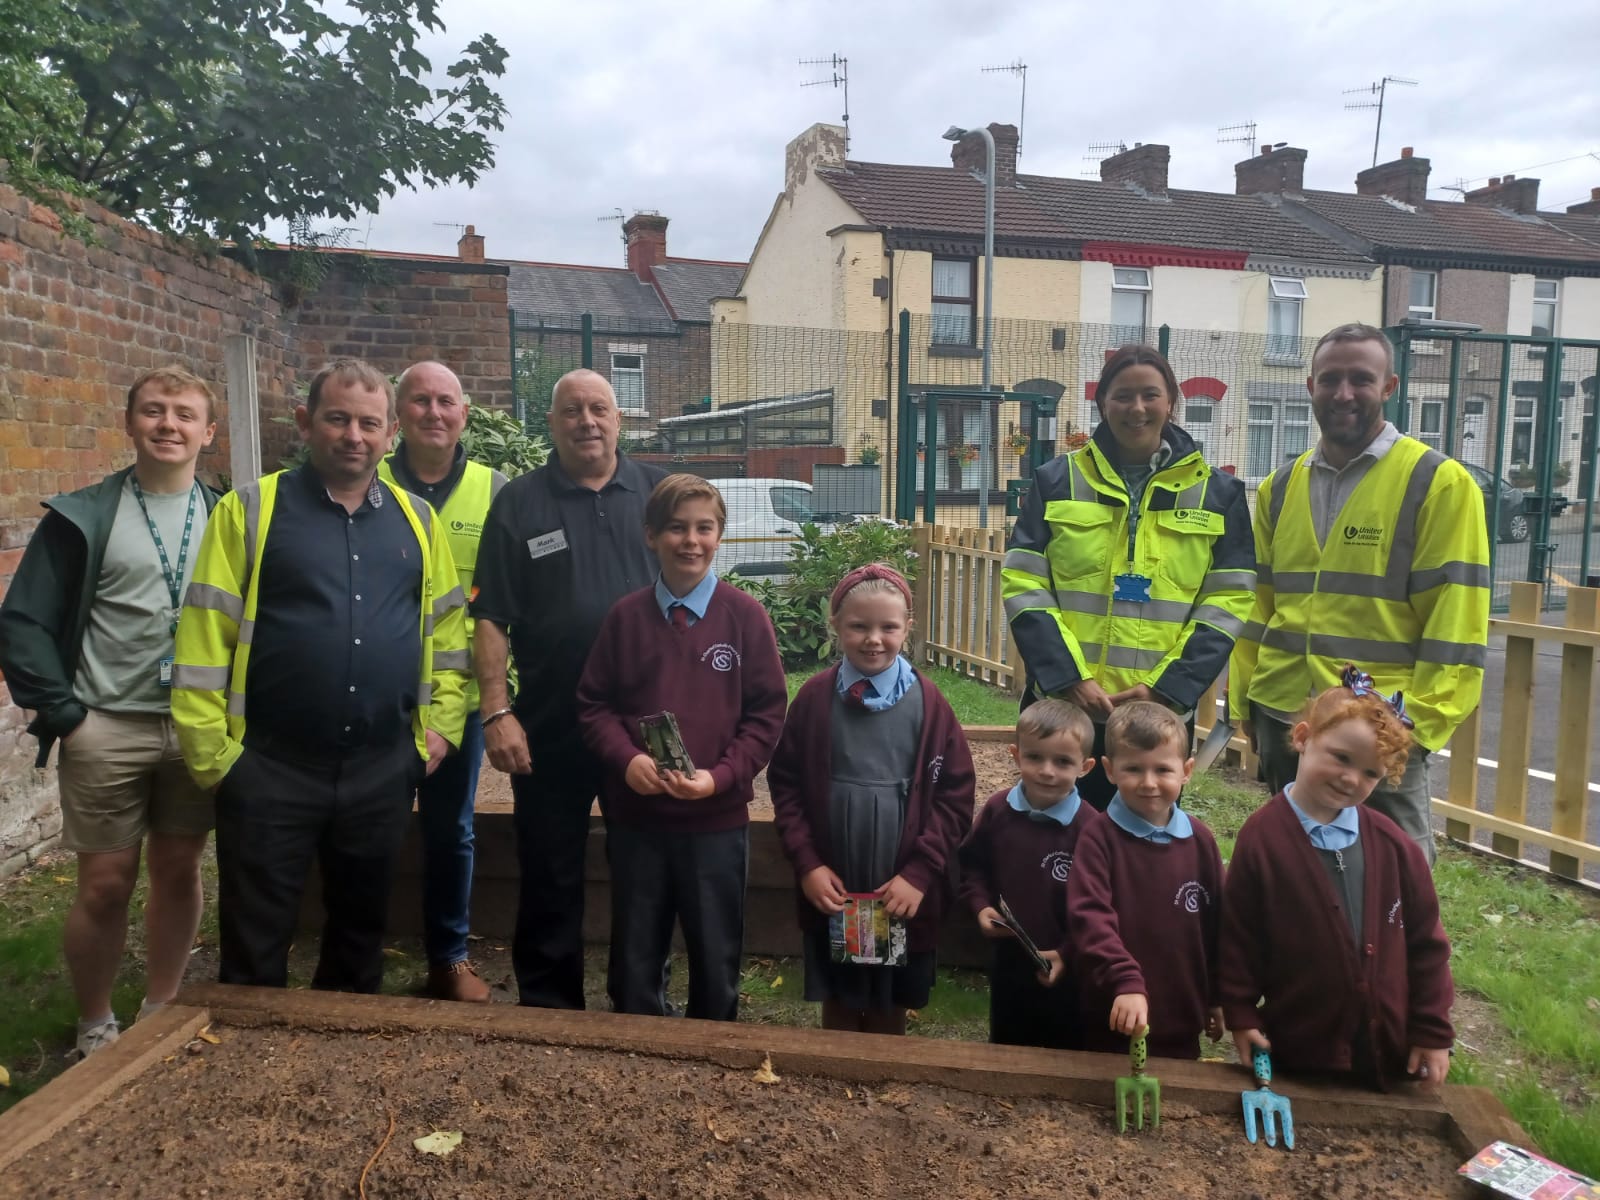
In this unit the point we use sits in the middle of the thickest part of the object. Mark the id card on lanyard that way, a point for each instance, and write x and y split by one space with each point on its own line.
174 579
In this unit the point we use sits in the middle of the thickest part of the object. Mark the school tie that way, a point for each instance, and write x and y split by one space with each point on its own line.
679 615
856 694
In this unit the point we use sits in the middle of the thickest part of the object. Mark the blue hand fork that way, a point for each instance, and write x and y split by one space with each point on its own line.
1272 1108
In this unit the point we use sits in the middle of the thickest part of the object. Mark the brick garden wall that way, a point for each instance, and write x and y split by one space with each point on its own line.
79 321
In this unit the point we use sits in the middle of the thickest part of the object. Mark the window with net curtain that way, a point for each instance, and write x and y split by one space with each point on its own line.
1276 432
1286 296
958 426
953 301
1130 304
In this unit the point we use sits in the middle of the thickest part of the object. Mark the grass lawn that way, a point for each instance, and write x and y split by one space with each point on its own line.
1526 963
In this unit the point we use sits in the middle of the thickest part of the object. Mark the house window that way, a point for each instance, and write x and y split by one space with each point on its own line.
1130 304
1546 294
956 467
1430 427
1424 295
1197 416
954 300
627 381
1284 302
1276 432
1522 432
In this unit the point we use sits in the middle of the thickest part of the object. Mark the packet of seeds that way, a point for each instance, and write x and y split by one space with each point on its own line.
1511 1171
864 932
1009 920
664 743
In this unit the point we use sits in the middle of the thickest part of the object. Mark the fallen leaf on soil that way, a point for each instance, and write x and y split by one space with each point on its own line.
1593 1004
5 1077
205 1035
393 952
764 1073
438 1142
711 1124
777 983
62 878
1493 918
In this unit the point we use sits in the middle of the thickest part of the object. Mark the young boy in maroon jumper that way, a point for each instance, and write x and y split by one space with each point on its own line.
678 843
1020 849
1329 913
1145 895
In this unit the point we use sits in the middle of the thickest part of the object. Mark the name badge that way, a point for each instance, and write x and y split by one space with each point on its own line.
547 543
164 671
1132 588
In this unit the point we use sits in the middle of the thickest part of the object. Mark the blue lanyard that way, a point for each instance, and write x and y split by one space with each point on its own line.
174 580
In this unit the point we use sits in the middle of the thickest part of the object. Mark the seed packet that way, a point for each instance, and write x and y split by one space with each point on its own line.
865 933
1009 920
664 743
1511 1171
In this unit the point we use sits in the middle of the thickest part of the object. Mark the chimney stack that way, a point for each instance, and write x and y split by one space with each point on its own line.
970 154
469 246
646 234
1589 207
1144 166
1275 171
1519 195
1405 179
820 146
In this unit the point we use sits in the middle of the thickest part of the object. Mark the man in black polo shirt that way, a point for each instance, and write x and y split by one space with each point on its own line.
560 546
321 668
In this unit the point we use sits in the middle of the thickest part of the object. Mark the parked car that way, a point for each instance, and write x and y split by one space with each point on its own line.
1505 508
764 519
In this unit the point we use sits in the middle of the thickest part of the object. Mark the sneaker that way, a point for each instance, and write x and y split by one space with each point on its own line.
457 982
95 1037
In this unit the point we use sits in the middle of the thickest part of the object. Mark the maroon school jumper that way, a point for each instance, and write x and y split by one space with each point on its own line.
938 809
721 677
1286 937
1010 854
1142 917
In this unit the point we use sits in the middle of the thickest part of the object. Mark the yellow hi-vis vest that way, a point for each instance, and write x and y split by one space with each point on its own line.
1190 557
1401 589
463 514
212 659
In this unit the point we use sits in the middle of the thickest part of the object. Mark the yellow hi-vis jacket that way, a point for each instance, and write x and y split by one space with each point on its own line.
463 514
212 659
1401 589
1190 550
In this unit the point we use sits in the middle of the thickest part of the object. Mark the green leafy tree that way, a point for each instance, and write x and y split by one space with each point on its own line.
214 117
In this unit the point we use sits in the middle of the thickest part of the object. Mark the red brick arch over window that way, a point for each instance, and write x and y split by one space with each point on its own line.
1203 385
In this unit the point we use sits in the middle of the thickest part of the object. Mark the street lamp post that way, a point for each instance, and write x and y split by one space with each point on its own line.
955 134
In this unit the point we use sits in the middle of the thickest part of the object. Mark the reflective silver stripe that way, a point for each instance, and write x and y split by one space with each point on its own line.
1031 561
1253 630
247 632
1095 604
199 679
1294 583
1280 490
1217 581
250 494
424 695
1362 651
1357 583
1133 659
452 660
1075 478
1090 651
1028 602
214 599
1463 573
427 624
236 704
1219 618
1283 639
1451 654
1404 546
1171 611
452 599
1192 496
424 517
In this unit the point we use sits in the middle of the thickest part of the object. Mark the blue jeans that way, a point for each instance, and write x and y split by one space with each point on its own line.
444 806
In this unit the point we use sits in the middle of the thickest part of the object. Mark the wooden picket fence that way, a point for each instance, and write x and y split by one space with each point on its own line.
961 625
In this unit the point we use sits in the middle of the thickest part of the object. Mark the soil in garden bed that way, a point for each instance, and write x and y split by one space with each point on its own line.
275 1112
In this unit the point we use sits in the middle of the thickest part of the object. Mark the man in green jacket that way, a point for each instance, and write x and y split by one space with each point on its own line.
86 641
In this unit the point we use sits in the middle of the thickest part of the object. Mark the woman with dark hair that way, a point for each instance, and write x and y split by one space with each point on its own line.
1132 567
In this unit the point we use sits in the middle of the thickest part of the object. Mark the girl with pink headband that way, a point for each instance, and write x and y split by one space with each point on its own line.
872 791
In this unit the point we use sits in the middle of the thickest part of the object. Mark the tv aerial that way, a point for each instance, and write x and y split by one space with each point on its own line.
838 68
1380 89
1020 70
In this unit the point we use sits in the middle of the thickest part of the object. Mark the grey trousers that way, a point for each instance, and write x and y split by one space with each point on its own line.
1407 803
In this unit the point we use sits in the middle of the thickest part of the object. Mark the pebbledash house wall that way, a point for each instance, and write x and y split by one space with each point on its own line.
80 320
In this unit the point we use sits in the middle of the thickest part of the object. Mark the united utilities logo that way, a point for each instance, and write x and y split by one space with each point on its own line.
1363 535
473 527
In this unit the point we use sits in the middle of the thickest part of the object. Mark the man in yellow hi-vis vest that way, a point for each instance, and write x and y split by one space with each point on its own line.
431 462
321 670
1371 549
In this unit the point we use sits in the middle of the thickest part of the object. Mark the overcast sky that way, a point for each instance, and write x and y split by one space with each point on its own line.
686 108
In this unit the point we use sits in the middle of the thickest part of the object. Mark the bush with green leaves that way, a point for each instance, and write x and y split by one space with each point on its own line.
817 561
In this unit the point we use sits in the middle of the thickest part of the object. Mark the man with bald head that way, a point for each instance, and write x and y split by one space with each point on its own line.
431 462
561 545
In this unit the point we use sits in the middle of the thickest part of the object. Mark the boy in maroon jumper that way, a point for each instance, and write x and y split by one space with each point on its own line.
1020 849
678 844
1145 895
1329 913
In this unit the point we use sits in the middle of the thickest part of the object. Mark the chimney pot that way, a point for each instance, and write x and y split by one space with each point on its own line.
646 235
1266 149
1507 191
1405 151
469 246
1274 171
1589 207
1144 166
1404 179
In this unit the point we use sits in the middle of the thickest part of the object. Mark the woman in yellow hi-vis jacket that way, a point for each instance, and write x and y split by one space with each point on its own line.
1131 569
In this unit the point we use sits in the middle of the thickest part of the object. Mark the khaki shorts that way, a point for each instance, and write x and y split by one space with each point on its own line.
122 776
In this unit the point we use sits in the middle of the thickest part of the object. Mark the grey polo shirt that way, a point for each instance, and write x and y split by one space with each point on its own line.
1332 486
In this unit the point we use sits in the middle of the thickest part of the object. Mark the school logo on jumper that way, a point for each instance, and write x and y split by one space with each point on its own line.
935 765
1191 896
1394 915
1059 864
1363 535
722 657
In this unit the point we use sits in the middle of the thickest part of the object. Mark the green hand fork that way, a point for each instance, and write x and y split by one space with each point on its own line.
1134 1089
1273 1108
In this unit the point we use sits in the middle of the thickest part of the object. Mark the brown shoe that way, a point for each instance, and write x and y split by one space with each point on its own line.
457 982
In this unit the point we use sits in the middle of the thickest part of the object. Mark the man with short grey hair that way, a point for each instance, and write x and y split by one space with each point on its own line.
560 546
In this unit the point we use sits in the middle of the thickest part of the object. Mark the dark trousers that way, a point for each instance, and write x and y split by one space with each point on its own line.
1022 1011
551 812
277 811
696 880
445 812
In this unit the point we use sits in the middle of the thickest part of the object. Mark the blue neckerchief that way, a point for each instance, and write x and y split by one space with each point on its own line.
697 601
1340 833
1061 812
1178 827
885 689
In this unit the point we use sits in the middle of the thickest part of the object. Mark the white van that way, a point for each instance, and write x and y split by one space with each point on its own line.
764 519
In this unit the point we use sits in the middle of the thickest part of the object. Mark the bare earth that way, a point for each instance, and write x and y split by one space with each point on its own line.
276 1113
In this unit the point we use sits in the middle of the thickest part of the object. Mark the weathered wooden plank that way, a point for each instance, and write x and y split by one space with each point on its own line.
1461 787
1516 720
1531 629
1574 742
1516 832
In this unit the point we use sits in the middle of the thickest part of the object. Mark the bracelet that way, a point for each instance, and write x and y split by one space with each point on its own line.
495 716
